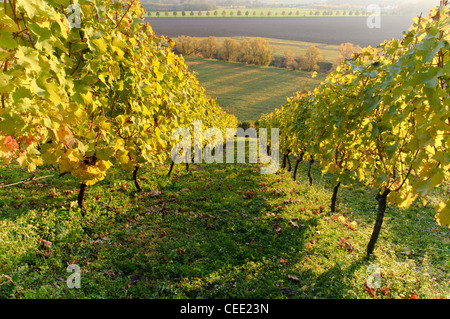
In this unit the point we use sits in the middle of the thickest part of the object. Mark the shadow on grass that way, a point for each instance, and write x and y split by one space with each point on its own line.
211 231
214 234
38 194
216 231
411 232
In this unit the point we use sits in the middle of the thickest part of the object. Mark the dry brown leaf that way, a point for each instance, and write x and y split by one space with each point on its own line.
45 243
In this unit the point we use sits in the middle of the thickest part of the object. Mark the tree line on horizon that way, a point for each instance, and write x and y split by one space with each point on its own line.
268 13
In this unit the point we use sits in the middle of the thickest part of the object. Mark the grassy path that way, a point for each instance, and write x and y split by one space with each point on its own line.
217 231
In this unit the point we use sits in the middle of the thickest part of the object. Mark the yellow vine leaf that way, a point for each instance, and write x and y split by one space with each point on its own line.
443 217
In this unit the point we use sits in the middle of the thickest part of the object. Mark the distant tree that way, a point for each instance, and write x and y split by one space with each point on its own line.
297 13
311 13
247 124
344 13
199 13
209 47
224 13
290 13
231 13
183 13
346 51
261 14
166 13
276 13
278 62
268 13
175 13
350 13
254 13
317 13
289 60
283 13
239 12
192 13
208 13
246 53
158 13
247 13
229 50
216 13
309 61
187 45
256 51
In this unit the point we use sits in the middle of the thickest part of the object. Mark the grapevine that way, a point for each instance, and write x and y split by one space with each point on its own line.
84 98
381 118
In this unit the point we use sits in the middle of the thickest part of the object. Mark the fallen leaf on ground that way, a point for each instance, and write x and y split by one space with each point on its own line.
45 243
277 228
293 223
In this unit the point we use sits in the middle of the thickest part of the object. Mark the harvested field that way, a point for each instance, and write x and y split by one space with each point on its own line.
328 30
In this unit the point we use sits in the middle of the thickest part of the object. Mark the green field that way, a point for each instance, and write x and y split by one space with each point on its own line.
247 91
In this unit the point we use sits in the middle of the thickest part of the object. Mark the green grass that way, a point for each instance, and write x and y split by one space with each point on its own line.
247 91
217 231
